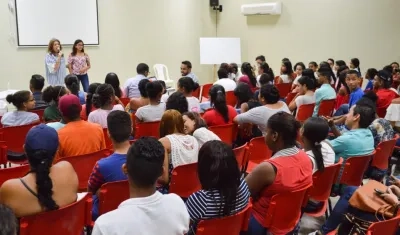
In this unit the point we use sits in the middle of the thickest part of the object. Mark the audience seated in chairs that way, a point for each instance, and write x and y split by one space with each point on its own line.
306 93
154 110
325 92
196 126
221 113
52 95
36 85
177 101
166 214
70 136
186 85
89 106
109 169
46 187
104 100
223 191
143 100
23 101
248 75
72 83
180 148
113 80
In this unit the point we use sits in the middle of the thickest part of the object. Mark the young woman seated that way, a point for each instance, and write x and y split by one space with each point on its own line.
113 80
23 101
305 95
287 74
177 101
186 85
197 127
155 109
143 100
45 187
72 83
52 95
89 107
221 113
248 76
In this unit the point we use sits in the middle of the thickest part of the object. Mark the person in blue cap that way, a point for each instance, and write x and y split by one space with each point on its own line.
45 187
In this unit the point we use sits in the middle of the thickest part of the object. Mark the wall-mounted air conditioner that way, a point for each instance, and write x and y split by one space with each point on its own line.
271 8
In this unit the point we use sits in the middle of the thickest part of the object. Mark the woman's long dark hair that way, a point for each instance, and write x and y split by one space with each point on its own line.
315 130
266 69
187 84
53 93
103 95
113 80
243 93
74 51
89 97
72 83
326 64
218 100
248 70
342 78
218 170
40 162
289 68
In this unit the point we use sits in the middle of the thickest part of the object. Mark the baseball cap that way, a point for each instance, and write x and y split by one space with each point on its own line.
384 75
42 137
66 102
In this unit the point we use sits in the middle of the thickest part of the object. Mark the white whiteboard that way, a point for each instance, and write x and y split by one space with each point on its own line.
38 21
220 50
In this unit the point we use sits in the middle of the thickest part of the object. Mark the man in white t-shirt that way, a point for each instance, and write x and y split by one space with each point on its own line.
147 212
225 81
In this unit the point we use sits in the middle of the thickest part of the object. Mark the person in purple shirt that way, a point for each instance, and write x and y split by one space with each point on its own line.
353 81
109 169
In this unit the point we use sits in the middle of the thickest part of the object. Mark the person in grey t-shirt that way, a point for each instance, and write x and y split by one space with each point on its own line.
305 95
269 98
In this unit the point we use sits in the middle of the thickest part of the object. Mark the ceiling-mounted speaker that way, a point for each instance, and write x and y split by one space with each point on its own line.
214 3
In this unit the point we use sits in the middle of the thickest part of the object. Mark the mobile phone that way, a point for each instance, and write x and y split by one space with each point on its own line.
379 192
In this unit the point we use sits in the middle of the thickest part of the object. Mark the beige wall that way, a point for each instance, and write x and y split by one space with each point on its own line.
316 30
131 31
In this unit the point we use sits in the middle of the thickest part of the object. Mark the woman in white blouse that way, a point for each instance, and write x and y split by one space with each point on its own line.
55 63
393 115
196 126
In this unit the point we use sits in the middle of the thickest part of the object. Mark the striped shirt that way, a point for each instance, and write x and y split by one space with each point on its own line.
55 77
286 152
205 204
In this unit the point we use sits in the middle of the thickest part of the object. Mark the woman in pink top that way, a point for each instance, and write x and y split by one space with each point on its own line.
248 75
79 63
287 170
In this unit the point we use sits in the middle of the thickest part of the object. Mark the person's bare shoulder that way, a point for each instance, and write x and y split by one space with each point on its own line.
66 171
8 190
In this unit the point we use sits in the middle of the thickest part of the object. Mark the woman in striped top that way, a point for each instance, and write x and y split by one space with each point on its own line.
223 191
55 63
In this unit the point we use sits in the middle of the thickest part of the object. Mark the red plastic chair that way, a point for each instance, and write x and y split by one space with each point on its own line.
326 107
112 194
233 224
354 169
65 221
147 129
204 90
288 206
383 153
322 185
184 180
227 133
13 173
290 96
109 144
381 112
125 101
39 112
241 155
3 154
196 93
230 99
304 112
284 89
84 164
258 152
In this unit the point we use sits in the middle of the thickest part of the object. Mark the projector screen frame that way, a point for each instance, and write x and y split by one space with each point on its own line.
67 44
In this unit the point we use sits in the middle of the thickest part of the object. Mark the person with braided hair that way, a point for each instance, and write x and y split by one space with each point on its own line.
46 187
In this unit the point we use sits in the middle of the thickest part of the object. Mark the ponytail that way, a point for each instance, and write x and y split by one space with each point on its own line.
89 97
72 83
271 73
319 159
41 166
218 100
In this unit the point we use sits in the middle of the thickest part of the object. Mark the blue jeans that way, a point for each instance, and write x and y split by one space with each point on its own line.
84 78
342 110
255 228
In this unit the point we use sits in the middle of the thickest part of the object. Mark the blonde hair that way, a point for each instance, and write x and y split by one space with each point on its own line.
51 45
171 122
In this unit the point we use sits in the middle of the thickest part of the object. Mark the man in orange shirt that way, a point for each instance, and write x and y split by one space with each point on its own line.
78 137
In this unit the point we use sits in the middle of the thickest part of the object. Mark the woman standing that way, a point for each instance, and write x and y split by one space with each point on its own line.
79 63
55 63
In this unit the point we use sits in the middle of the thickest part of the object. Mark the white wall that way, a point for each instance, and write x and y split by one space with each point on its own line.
317 30
131 32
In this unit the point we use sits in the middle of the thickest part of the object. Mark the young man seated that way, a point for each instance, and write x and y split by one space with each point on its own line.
353 81
147 212
36 85
77 137
109 169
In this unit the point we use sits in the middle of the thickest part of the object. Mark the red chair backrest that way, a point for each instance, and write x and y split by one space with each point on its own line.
14 137
196 93
13 173
326 108
384 151
204 90
84 164
112 194
304 112
147 129
240 153
39 112
109 144
3 153
384 227
288 206
284 89
290 96
227 133
65 221
381 112
323 181
230 99
125 101
233 224
184 180
354 169
258 150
